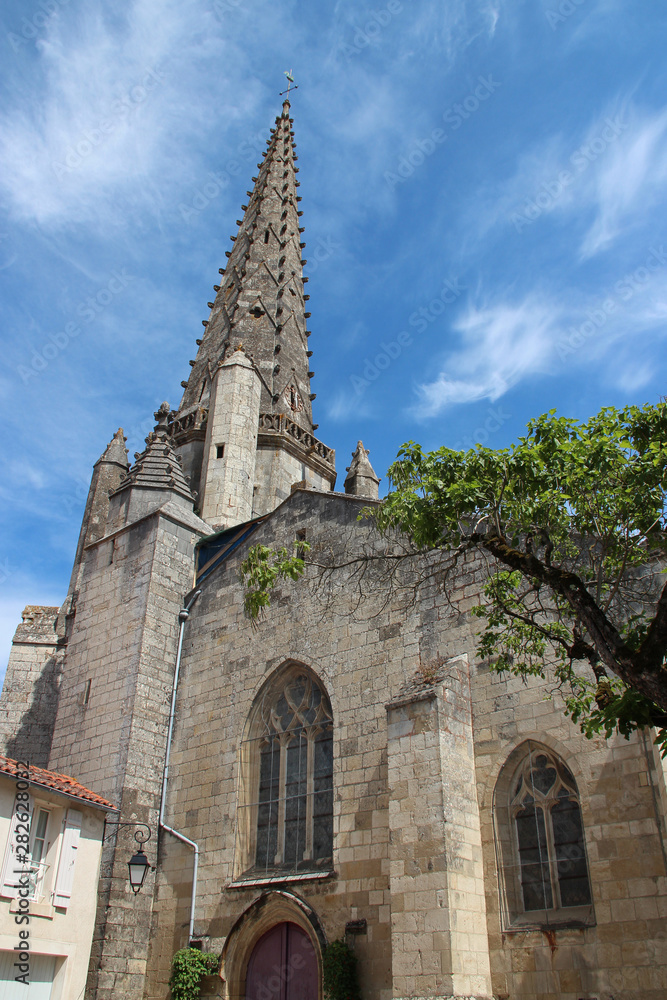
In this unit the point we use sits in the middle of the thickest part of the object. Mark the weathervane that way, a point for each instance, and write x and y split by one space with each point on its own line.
290 81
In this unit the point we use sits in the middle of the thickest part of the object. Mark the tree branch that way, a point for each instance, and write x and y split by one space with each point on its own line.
638 669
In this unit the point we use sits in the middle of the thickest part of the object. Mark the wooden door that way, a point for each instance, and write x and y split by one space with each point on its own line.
283 966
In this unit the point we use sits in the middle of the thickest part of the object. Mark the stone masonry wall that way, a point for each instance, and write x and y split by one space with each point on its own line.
624 956
227 481
30 689
225 662
276 471
363 645
439 940
124 641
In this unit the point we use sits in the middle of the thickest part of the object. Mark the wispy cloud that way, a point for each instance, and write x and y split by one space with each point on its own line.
629 181
110 111
614 173
500 345
620 331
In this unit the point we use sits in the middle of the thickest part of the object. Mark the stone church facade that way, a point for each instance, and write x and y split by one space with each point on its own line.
344 767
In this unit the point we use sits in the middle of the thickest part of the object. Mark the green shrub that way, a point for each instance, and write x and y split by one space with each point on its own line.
339 966
188 968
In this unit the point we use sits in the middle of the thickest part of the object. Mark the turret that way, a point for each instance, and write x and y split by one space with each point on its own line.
108 471
361 480
155 478
228 471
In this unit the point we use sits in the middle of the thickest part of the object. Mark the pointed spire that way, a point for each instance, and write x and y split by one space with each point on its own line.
260 299
361 480
108 473
116 451
157 467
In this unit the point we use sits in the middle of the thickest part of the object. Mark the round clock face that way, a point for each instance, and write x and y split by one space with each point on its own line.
293 398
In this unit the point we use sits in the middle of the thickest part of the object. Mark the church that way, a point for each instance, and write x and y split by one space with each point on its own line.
344 768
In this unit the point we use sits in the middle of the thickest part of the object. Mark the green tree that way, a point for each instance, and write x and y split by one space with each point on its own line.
572 522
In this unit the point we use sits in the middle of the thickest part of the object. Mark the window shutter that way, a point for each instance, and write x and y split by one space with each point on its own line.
65 877
8 877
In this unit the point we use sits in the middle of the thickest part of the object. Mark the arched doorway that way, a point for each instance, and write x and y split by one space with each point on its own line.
283 966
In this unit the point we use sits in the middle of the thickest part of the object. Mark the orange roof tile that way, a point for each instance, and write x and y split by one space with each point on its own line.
51 779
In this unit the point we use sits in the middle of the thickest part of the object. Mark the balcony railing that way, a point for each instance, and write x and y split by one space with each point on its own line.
38 870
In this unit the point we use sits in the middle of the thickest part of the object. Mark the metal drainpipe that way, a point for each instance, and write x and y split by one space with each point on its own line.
183 616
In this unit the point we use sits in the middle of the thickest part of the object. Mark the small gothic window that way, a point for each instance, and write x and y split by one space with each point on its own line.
293 398
286 822
541 840
266 236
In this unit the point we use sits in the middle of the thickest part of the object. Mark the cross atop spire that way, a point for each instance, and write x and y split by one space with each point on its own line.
290 81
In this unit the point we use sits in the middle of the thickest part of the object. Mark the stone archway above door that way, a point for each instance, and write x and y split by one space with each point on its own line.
268 910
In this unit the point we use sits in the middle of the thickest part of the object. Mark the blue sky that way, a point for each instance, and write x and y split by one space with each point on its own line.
484 188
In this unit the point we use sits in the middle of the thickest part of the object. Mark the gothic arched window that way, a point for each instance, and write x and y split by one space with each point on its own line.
541 841
286 811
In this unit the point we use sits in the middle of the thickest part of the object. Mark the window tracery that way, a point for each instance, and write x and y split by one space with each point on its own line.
549 836
287 820
540 841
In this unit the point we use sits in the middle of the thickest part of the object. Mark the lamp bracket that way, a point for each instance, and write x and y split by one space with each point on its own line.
139 835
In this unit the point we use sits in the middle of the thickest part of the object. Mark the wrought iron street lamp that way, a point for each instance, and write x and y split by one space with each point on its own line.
139 864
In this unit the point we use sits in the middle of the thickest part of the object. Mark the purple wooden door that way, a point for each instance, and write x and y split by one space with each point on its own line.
283 966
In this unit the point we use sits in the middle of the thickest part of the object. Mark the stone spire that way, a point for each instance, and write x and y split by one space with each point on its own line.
157 467
108 471
260 300
115 451
155 478
361 480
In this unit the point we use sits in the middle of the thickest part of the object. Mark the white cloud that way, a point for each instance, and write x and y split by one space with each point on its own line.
629 180
619 332
109 108
614 173
501 344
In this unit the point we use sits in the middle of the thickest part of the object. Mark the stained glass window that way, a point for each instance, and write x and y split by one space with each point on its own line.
549 835
289 751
